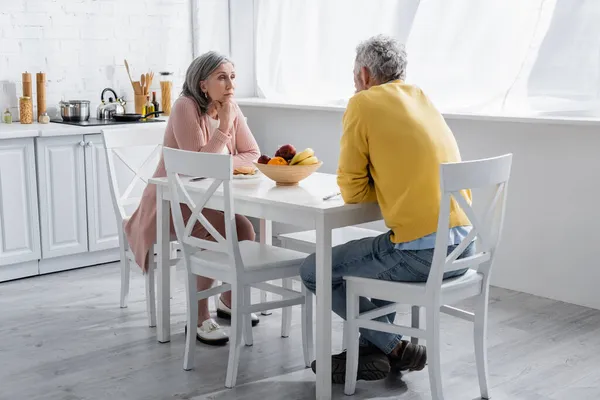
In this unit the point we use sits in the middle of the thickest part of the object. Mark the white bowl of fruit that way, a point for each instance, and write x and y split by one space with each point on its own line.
289 167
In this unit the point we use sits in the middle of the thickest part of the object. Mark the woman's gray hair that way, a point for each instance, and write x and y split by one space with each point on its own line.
384 57
199 70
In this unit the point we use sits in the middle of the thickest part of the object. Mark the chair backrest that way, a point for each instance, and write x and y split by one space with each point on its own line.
218 168
132 154
491 173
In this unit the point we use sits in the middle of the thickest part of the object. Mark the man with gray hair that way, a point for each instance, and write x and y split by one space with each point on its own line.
393 143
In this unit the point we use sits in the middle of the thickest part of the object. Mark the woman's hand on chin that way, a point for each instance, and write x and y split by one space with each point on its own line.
226 112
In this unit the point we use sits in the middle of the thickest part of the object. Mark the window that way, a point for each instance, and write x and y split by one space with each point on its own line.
305 49
493 57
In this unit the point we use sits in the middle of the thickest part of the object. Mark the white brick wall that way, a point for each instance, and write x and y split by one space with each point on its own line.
81 45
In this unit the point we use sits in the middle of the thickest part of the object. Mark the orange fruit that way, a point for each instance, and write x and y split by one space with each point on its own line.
277 161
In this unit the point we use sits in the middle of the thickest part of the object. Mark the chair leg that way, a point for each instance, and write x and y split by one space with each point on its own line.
344 335
173 288
235 336
433 352
125 272
307 327
192 321
480 336
286 313
248 340
352 336
263 299
151 292
415 316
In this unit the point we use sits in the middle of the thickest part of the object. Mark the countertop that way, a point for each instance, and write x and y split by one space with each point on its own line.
17 130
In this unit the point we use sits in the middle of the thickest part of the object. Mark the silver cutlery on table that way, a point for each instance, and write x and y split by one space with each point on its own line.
331 196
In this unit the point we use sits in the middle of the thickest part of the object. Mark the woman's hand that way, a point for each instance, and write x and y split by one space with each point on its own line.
226 112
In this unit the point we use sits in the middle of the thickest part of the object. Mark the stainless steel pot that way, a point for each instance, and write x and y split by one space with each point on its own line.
75 110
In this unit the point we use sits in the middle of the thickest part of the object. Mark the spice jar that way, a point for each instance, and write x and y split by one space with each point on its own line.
7 116
44 118
25 110
166 87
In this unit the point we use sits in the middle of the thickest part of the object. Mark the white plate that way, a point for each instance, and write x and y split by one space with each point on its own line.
256 175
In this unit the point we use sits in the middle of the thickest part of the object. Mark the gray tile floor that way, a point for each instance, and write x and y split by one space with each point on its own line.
64 337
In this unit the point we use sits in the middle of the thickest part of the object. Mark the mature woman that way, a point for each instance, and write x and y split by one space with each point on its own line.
206 119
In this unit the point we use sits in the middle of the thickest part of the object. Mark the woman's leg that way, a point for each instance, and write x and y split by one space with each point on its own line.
203 284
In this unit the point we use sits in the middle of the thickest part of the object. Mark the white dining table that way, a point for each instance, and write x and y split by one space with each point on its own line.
302 206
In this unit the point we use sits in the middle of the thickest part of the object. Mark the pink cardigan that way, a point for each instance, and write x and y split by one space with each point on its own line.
186 130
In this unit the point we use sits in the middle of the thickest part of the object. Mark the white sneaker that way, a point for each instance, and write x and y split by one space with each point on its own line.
211 333
225 312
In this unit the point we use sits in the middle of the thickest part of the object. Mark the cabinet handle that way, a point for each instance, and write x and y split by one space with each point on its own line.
82 143
89 144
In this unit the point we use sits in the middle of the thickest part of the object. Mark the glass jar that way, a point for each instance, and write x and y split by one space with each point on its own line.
166 87
7 116
25 110
44 118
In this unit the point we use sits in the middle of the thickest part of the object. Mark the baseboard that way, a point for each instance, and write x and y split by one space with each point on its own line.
20 270
64 263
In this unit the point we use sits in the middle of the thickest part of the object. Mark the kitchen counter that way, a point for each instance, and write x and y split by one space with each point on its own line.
18 130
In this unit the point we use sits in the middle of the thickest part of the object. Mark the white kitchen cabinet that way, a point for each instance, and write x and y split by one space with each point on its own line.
19 228
101 220
62 195
76 212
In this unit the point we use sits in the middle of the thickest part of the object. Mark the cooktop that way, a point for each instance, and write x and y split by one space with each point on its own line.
103 122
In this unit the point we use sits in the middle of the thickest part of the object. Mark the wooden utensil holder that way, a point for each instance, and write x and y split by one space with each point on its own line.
139 100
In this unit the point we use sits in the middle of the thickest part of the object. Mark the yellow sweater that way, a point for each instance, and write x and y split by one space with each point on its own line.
393 143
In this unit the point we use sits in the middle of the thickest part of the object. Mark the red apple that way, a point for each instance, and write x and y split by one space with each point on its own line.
264 159
287 152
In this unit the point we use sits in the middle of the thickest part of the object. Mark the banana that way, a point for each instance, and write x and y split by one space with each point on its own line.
303 155
309 161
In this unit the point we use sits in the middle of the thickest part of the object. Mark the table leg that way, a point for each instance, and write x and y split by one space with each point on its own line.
323 322
266 237
163 330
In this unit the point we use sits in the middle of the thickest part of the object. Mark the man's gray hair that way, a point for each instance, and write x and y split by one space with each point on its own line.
384 57
199 70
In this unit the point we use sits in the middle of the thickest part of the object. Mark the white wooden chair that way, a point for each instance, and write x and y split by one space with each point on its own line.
133 154
239 265
436 293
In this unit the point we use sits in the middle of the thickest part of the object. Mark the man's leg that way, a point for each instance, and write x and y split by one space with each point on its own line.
374 258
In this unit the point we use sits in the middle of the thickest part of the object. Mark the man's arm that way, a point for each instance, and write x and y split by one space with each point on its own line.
353 178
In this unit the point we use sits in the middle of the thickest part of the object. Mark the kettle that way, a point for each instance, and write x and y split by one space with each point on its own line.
106 110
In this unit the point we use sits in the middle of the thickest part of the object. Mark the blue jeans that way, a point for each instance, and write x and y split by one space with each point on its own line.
375 258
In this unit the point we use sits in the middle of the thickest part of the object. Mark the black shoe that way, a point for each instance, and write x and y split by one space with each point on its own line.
412 357
373 365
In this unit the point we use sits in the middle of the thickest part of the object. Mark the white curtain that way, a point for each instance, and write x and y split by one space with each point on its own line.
305 48
492 57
